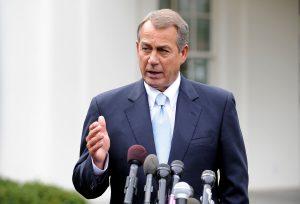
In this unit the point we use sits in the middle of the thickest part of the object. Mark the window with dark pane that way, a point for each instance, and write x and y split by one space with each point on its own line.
197 14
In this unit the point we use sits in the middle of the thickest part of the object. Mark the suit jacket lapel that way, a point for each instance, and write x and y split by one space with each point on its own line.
138 115
187 116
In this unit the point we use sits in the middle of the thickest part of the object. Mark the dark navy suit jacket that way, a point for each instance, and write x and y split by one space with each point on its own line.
206 136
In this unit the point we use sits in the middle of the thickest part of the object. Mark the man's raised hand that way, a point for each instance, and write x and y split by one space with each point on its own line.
98 142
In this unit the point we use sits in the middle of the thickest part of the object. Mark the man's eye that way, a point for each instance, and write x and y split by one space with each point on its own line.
146 49
163 51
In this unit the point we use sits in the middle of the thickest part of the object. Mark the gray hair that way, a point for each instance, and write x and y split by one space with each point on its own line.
165 18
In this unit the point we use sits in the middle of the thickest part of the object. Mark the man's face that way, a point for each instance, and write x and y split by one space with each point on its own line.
159 58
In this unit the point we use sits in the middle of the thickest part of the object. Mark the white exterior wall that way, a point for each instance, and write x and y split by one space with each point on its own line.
274 94
256 50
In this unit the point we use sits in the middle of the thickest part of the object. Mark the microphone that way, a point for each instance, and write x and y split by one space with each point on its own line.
135 157
177 167
193 201
208 178
163 173
150 167
182 192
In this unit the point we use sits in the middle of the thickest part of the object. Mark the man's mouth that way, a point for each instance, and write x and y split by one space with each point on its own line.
153 74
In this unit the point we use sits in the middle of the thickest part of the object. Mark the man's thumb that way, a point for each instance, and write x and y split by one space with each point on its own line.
101 121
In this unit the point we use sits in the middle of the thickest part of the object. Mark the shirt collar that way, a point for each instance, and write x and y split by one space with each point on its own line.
171 92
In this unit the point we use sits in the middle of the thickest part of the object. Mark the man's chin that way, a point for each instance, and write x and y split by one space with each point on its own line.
153 85
156 86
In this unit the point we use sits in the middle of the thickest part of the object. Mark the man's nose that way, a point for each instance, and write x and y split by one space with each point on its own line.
153 59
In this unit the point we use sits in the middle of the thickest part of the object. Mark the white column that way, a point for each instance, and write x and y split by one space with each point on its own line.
25 84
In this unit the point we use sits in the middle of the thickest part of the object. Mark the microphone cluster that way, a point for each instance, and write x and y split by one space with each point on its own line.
180 193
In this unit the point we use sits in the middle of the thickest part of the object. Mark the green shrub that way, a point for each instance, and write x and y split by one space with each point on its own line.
12 192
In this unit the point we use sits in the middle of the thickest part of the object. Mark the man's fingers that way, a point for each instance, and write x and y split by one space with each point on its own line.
93 125
96 127
97 138
93 132
97 146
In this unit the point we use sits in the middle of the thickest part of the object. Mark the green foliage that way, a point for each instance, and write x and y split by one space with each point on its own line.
12 192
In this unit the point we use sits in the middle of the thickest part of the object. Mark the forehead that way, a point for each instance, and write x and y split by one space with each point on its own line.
150 34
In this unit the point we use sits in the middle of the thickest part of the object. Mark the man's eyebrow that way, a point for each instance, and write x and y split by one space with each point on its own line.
160 47
145 43
163 47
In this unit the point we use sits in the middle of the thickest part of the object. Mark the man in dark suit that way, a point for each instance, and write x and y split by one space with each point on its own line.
202 128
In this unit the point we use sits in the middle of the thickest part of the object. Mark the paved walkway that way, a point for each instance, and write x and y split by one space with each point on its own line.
275 197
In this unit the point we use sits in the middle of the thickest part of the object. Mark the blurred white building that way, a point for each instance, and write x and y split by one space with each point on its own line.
55 55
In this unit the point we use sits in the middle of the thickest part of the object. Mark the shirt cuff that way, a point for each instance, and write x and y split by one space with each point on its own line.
98 171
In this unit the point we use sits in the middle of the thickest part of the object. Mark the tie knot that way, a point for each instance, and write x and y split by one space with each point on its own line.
161 99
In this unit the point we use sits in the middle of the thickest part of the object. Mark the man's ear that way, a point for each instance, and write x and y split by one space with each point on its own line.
184 53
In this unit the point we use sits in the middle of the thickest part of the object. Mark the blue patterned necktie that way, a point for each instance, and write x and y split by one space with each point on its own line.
162 130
